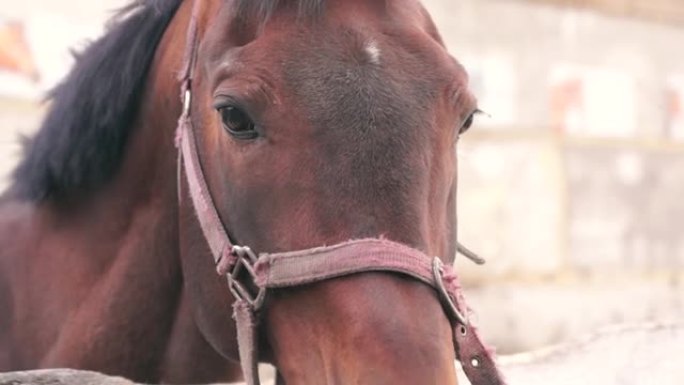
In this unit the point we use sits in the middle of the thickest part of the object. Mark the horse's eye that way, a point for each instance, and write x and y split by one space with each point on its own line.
468 122
237 123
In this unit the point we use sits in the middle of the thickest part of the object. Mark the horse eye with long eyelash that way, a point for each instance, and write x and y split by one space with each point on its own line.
468 122
237 123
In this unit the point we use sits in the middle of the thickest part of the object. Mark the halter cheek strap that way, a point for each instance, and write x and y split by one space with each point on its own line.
273 271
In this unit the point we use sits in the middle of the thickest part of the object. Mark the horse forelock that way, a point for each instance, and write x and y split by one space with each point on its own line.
263 9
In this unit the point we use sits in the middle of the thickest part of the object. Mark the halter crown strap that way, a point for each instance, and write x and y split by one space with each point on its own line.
210 222
188 158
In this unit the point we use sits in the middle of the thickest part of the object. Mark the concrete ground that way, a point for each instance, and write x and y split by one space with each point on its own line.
628 355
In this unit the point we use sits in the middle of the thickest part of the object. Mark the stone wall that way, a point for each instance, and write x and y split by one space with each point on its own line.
50 29
665 11
572 188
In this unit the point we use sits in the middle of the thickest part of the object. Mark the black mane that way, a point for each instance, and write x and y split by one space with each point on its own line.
82 139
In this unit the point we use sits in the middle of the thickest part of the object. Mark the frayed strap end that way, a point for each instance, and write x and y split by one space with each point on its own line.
245 320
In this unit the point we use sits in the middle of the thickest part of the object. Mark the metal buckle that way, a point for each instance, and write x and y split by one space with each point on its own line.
438 272
246 259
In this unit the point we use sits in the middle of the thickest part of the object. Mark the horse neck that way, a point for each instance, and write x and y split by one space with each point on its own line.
143 192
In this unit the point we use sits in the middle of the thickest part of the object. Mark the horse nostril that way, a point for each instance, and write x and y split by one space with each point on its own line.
462 329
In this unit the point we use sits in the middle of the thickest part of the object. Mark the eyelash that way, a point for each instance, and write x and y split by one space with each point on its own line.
468 122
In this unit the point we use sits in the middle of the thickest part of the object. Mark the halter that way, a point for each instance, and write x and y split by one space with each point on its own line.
280 270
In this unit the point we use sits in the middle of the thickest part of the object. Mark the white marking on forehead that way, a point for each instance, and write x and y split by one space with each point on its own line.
373 52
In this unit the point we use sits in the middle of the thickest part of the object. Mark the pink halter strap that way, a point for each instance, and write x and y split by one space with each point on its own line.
273 271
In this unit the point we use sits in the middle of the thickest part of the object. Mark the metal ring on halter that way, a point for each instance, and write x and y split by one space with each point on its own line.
187 99
242 251
437 271
246 259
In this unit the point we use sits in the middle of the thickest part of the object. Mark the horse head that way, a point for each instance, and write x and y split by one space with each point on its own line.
316 123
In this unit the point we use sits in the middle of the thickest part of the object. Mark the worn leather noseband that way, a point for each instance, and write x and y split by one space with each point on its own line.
246 270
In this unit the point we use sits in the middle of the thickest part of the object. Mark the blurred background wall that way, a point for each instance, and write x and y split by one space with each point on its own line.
36 39
572 188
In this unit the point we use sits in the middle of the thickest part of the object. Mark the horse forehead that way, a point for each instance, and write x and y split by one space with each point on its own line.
346 68
350 59
395 35
380 42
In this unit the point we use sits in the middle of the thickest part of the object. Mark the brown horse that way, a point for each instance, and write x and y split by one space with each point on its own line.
317 121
